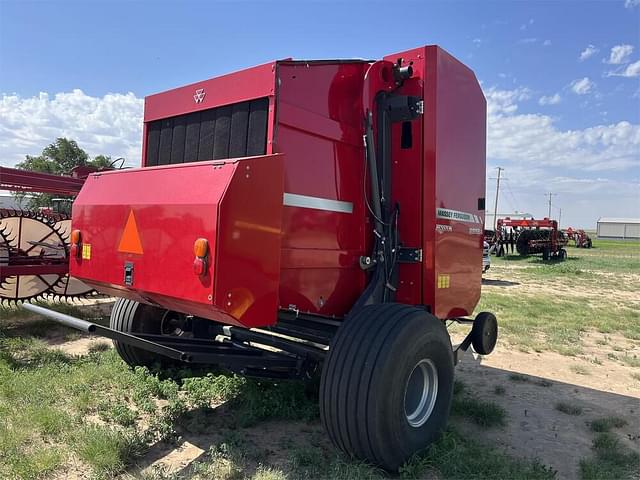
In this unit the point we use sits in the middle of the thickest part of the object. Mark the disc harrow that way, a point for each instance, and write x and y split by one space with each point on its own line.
535 237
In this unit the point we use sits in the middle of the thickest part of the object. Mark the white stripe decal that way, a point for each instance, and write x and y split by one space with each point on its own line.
316 203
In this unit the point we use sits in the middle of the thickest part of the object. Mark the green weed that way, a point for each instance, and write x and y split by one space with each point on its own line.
569 408
611 459
605 424
455 456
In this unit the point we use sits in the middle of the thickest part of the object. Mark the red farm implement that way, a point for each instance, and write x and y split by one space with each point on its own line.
535 237
582 239
304 219
34 244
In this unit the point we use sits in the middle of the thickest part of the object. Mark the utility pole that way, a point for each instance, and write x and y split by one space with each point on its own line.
495 208
559 217
550 195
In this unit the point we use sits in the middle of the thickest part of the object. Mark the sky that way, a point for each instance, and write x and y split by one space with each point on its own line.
562 79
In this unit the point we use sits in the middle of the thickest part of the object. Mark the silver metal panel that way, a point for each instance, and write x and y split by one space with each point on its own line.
316 203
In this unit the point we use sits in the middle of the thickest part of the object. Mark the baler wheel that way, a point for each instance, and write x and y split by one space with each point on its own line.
133 317
387 384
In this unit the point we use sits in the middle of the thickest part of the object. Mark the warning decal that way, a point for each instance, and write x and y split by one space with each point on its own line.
130 240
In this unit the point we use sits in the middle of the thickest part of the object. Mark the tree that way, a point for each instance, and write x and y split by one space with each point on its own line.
58 158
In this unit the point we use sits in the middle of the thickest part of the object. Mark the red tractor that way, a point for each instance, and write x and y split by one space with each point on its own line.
304 218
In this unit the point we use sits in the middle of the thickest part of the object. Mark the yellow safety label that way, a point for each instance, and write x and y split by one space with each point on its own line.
86 251
444 281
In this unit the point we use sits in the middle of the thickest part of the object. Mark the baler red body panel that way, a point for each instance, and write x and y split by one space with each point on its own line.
306 249
173 206
453 181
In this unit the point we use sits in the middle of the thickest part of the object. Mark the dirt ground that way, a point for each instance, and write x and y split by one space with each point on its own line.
534 383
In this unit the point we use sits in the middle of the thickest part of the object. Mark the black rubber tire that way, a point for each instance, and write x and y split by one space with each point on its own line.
562 254
546 253
484 333
133 317
365 374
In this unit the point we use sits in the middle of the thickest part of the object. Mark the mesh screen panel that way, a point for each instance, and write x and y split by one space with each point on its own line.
231 131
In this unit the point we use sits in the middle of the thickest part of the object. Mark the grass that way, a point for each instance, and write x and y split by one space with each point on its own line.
49 402
568 408
571 299
605 424
580 369
543 322
455 456
480 412
519 378
611 459
631 360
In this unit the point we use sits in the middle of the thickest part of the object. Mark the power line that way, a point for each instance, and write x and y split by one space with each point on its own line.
513 197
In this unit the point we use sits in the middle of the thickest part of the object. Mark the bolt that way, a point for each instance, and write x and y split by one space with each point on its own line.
210 297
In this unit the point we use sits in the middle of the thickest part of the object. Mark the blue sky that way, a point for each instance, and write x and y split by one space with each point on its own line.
556 121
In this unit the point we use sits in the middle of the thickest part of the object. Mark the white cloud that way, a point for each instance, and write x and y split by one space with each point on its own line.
546 43
588 52
620 54
528 40
524 26
550 100
501 102
595 169
535 140
109 125
630 71
582 86
631 3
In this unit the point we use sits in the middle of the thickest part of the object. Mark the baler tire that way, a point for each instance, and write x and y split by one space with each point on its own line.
128 316
365 380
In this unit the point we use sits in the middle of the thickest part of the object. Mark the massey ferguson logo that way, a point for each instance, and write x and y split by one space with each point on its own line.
199 95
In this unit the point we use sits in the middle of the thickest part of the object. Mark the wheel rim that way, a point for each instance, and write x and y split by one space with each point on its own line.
420 393
173 325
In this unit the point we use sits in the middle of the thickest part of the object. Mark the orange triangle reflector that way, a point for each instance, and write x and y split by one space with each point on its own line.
130 240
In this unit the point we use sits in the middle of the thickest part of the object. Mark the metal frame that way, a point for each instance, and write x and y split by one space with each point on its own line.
24 181
237 351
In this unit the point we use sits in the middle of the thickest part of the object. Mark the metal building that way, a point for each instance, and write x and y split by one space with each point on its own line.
619 228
